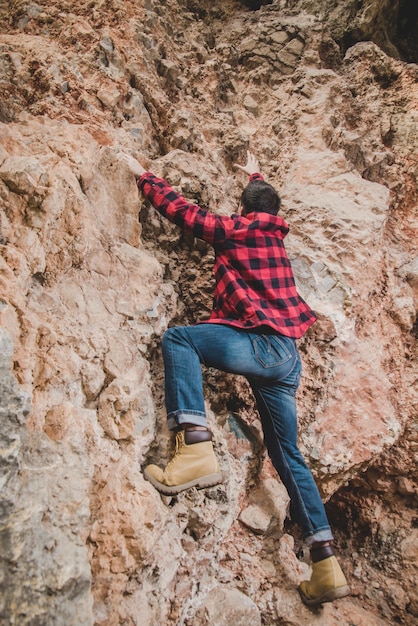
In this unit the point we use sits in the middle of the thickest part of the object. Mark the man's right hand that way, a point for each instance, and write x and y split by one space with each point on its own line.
251 167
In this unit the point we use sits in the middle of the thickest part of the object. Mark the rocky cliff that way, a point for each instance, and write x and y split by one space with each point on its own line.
325 93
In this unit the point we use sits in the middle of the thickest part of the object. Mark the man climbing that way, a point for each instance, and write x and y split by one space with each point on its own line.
256 318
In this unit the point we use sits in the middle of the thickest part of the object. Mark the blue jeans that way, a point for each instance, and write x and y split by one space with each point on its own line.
271 363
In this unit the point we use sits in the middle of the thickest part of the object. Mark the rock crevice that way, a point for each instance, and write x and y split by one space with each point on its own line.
91 277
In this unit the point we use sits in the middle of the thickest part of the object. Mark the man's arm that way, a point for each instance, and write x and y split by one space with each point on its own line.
189 217
199 222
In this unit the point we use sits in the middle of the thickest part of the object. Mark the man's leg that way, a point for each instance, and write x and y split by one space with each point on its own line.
184 349
277 407
183 378
194 463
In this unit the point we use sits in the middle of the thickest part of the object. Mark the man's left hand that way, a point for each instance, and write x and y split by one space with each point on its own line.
133 164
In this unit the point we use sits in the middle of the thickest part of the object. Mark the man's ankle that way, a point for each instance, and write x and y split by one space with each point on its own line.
197 435
321 550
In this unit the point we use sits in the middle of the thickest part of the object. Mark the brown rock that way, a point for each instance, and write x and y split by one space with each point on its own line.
325 95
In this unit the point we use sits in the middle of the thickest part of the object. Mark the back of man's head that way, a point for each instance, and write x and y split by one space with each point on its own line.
260 196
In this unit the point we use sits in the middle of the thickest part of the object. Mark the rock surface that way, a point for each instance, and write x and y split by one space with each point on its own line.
325 94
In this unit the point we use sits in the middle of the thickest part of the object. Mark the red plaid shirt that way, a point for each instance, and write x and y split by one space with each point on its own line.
255 286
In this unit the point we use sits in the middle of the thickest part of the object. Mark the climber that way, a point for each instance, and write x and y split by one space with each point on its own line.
256 318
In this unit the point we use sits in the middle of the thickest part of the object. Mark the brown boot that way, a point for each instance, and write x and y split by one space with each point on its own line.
194 464
327 583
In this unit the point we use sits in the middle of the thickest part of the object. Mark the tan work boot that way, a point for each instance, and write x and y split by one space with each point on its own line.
327 583
194 464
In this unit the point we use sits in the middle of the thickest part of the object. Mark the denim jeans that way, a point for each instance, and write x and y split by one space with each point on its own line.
271 363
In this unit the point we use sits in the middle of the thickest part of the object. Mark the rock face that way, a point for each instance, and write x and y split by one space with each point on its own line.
44 561
325 94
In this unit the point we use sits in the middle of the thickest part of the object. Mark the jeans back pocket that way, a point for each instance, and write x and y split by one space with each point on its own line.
272 350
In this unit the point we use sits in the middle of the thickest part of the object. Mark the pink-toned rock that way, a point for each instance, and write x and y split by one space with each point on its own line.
87 290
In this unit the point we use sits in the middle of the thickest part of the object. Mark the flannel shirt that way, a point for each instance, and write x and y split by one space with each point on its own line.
255 287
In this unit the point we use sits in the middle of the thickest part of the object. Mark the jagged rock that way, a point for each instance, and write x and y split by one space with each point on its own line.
224 605
43 507
269 504
325 94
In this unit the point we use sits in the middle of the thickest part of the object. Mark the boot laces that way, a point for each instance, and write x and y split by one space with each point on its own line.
179 445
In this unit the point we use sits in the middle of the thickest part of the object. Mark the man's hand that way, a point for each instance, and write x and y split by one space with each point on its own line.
251 167
134 165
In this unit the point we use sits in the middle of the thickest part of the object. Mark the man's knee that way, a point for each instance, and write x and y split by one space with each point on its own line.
171 335
167 337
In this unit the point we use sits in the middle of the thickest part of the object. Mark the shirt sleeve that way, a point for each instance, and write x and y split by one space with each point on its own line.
189 217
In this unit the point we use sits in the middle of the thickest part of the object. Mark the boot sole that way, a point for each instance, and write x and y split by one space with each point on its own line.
200 483
328 596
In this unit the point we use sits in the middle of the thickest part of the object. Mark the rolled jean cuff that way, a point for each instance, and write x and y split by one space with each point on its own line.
321 535
176 419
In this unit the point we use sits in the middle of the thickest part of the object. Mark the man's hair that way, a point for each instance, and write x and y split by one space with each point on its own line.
260 196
